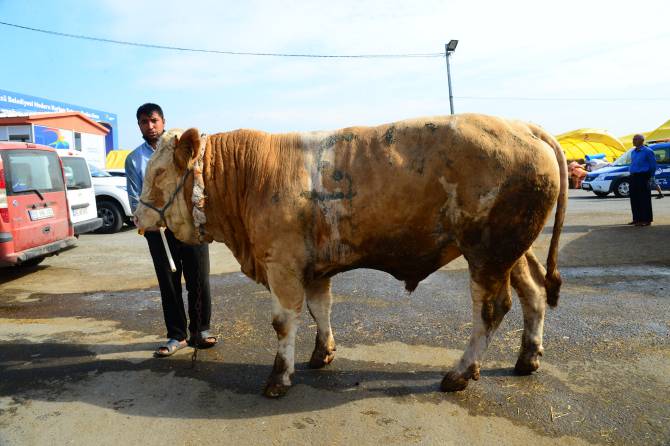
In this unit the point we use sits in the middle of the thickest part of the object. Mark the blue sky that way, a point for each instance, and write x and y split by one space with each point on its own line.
559 56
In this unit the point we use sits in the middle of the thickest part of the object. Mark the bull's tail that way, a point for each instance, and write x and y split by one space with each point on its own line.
552 280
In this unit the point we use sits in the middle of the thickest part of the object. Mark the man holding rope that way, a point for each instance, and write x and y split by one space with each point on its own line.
192 260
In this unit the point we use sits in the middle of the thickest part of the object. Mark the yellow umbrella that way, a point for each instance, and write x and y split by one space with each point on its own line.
579 143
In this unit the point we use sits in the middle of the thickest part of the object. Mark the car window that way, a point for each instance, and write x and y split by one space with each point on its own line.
623 159
76 173
29 170
97 173
661 156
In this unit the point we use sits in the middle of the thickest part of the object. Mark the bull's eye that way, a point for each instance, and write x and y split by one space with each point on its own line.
159 172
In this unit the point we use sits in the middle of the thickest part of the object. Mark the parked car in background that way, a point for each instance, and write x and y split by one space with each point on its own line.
80 193
615 178
34 212
112 200
116 172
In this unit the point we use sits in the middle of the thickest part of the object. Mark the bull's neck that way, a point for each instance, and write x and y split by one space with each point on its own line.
230 187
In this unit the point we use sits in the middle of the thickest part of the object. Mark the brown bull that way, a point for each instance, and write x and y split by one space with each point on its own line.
406 198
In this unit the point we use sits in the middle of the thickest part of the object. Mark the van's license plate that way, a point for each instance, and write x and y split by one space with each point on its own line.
78 212
39 214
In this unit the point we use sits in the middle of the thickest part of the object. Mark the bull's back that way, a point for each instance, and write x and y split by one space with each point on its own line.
406 197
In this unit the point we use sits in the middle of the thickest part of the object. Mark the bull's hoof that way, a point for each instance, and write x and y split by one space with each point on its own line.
529 359
526 366
321 358
275 390
453 382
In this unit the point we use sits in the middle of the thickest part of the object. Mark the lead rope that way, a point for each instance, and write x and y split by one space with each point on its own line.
199 219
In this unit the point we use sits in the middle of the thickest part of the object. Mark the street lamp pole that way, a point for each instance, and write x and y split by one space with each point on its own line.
448 49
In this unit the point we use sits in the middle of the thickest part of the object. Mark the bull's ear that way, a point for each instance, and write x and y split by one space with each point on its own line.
187 148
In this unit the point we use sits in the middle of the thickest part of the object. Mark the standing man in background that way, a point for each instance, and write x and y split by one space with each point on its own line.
642 169
192 260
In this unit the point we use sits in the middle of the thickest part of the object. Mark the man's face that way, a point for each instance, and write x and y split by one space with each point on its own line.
151 127
637 141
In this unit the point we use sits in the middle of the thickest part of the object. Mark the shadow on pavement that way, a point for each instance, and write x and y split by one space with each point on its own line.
620 244
47 371
10 273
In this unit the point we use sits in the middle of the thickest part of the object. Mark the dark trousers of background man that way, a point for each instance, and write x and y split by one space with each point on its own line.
640 198
193 261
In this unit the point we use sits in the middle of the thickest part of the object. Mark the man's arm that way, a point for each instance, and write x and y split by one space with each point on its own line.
133 183
652 162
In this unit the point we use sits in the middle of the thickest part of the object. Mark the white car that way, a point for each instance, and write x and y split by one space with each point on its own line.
80 194
112 200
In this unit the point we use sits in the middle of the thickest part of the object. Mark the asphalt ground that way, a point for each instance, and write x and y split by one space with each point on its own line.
77 333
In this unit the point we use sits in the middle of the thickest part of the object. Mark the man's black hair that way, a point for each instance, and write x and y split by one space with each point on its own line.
148 108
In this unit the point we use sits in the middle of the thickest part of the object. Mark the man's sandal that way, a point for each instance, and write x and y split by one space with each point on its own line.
169 348
203 340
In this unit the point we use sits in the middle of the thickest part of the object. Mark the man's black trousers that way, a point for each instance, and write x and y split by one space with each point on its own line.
640 198
193 261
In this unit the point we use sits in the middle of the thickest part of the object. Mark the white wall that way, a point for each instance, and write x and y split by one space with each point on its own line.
93 149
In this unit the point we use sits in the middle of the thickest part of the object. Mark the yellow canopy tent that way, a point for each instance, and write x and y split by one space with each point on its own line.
663 132
579 143
116 159
627 140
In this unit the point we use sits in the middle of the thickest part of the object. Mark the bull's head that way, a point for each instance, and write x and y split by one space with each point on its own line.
168 173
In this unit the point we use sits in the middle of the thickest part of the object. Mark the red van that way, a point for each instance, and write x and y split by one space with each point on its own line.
34 213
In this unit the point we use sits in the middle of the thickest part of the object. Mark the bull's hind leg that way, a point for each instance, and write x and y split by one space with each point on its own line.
528 281
319 302
287 299
491 300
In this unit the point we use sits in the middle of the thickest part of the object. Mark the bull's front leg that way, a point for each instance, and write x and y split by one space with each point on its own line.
491 300
287 299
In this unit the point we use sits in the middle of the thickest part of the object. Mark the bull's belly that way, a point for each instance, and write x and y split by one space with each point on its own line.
408 259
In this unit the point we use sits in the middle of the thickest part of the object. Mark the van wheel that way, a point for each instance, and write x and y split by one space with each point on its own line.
622 188
32 262
112 220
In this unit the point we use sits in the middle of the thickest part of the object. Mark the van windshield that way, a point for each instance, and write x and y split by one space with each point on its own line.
76 173
27 171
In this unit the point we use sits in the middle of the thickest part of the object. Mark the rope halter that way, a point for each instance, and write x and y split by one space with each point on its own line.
161 211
